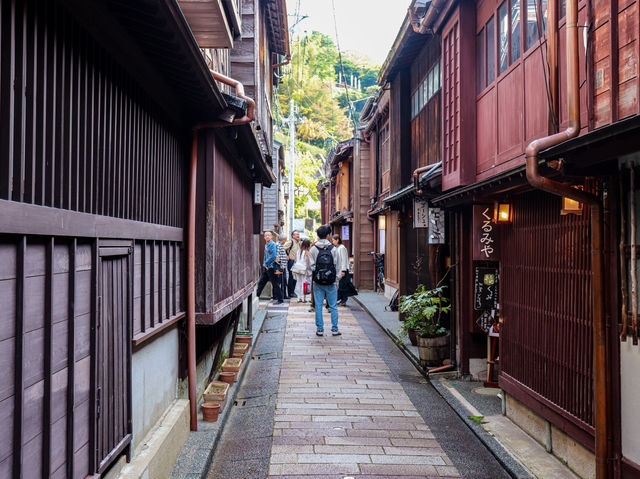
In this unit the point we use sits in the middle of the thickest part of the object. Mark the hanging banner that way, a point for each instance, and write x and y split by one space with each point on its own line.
257 193
485 234
436 226
420 213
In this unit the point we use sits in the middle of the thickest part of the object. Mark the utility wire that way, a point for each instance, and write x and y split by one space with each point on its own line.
344 76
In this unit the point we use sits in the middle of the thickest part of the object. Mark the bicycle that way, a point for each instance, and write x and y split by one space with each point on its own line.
379 267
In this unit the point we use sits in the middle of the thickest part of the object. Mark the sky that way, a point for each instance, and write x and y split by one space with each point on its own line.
367 27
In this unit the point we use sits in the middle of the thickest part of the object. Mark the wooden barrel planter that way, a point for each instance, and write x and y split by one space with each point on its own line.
433 351
211 410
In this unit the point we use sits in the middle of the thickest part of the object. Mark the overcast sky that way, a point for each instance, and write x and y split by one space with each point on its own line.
368 27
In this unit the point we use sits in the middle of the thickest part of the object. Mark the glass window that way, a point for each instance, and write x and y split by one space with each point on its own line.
532 23
421 97
431 84
491 51
545 13
481 60
515 31
438 81
503 23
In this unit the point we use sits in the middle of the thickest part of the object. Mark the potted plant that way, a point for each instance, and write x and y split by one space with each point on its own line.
240 349
411 327
228 377
424 310
216 391
232 364
244 337
211 411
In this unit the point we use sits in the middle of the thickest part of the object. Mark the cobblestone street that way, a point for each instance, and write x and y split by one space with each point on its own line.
342 411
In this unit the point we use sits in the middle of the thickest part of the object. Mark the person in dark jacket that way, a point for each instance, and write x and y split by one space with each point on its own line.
270 266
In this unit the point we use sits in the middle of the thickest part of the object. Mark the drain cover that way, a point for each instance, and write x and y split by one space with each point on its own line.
264 356
256 401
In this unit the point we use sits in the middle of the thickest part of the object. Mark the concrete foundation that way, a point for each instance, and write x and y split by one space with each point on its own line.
579 459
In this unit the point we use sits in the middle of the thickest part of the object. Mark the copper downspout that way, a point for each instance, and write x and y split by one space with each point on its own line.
416 173
597 259
281 64
191 240
423 25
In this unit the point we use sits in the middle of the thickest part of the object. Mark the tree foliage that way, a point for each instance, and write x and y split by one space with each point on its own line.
322 110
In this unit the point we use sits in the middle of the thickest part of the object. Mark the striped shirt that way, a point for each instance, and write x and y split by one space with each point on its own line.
282 256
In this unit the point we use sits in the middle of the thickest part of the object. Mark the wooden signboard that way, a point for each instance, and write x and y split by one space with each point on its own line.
436 226
420 213
485 296
485 234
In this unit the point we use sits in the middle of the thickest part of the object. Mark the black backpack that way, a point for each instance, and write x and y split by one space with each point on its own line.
325 272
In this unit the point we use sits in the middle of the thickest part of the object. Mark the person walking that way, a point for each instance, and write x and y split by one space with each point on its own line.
269 268
345 286
301 270
292 247
325 263
282 261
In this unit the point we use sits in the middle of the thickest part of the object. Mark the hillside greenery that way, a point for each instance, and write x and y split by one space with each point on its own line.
322 110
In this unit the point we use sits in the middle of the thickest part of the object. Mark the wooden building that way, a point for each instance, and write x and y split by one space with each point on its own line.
546 214
99 104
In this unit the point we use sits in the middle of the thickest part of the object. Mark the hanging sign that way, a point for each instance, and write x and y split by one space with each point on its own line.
485 234
257 193
436 226
485 295
420 213
345 232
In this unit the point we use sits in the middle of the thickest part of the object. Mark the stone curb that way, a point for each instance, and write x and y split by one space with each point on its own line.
505 459
204 462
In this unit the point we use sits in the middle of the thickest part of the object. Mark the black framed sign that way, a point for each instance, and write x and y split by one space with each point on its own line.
485 288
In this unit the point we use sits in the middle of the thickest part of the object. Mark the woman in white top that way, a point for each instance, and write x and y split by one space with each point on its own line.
302 271
345 287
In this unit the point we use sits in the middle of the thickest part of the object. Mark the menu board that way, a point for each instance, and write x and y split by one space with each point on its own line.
485 295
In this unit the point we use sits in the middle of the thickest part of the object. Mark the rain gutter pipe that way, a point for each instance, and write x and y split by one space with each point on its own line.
191 239
601 397
281 64
424 25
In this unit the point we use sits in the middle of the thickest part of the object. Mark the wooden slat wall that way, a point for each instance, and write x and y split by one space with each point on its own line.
546 306
362 225
45 290
91 143
157 272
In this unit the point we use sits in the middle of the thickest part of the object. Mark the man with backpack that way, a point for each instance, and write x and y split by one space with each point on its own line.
325 263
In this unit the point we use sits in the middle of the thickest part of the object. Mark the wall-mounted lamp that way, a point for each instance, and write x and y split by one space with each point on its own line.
382 222
503 213
571 207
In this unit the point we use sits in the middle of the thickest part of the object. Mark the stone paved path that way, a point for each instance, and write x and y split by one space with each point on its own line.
340 413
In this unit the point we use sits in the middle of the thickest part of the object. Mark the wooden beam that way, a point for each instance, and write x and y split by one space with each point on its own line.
22 218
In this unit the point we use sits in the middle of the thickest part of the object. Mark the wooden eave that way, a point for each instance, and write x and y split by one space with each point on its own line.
209 23
153 42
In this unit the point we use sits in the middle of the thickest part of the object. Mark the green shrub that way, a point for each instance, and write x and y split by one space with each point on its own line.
423 310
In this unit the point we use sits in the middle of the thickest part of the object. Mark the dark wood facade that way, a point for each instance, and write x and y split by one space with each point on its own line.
97 115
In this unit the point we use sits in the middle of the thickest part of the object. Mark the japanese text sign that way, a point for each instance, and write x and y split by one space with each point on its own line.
485 234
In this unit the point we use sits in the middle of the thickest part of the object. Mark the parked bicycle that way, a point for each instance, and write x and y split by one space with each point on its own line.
379 264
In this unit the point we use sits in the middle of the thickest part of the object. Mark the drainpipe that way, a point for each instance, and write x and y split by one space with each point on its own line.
601 398
425 24
191 239
281 64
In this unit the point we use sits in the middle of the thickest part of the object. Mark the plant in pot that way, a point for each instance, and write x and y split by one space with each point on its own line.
423 310
411 327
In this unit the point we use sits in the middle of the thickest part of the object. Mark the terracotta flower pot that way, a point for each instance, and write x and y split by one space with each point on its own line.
216 391
232 364
211 411
241 347
238 355
228 377
245 338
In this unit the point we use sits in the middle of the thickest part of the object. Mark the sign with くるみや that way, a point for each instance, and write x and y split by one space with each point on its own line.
485 234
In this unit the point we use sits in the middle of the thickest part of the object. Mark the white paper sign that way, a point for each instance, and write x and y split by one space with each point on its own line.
436 226
420 214
257 193
345 232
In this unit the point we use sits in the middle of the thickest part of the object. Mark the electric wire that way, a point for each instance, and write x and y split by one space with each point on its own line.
346 87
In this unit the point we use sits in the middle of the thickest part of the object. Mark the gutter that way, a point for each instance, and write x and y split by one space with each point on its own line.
424 25
191 239
601 386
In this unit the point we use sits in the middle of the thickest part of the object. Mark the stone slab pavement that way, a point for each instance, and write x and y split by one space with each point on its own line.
342 411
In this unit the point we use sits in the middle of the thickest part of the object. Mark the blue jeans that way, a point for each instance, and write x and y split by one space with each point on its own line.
331 293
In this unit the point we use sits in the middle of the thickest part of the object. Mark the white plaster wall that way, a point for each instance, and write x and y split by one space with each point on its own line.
630 392
154 382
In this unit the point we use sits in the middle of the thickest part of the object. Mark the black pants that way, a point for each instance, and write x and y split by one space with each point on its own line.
270 275
292 281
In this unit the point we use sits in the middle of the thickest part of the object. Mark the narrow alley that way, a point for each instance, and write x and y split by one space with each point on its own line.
338 409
